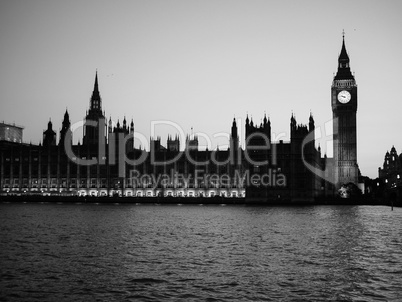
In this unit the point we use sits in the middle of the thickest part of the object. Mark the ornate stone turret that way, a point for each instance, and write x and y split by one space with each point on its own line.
94 121
65 128
49 136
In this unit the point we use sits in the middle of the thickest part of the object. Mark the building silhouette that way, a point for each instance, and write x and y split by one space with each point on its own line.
108 164
279 165
389 182
344 107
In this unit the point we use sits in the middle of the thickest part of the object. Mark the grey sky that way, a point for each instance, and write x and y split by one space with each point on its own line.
200 63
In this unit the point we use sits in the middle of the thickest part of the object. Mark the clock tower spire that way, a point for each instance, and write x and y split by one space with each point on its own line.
343 64
95 120
344 108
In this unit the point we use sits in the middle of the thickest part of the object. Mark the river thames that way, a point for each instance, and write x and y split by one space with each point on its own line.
115 252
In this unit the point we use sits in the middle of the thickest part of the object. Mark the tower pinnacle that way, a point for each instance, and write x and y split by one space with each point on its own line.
95 103
343 57
96 81
343 63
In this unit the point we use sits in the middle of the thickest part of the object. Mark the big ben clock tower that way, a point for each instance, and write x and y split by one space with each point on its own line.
344 108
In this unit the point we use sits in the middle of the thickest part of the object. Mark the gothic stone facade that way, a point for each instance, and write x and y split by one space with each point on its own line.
107 164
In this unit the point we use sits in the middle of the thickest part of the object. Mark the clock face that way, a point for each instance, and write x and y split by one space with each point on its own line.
344 96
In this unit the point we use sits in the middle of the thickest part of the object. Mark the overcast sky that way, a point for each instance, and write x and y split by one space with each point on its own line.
201 63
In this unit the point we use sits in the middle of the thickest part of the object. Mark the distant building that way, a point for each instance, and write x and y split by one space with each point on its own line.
344 108
289 159
11 132
108 164
276 169
391 172
390 176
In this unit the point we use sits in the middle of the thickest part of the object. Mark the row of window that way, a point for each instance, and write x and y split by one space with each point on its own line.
83 183
167 194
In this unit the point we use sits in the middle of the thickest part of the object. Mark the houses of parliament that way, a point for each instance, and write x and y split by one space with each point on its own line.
106 163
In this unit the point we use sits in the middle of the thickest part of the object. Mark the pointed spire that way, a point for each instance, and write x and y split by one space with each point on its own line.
343 63
66 119
132 127
293 122
96 88
343 57
95 103
311 122
234 129
110 126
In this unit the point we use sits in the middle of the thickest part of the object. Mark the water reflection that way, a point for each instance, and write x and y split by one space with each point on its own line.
146 252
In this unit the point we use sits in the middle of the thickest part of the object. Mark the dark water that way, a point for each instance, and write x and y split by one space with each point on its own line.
77 252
